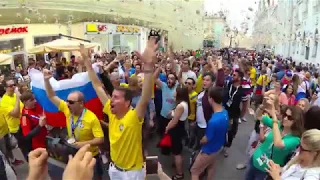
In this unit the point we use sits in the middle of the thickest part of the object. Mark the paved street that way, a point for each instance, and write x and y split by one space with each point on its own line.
225 168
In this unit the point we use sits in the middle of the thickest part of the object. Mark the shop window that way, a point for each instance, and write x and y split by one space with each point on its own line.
15 45
41 40
116 40
44 39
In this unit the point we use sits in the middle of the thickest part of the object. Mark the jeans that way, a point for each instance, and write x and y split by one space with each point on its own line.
253 173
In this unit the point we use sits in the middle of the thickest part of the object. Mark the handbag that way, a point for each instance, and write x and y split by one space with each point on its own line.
165 145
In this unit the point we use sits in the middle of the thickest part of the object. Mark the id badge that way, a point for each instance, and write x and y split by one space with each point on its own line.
71 140
229 103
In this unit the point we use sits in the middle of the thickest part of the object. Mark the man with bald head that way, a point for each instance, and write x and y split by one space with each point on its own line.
115 80
83 125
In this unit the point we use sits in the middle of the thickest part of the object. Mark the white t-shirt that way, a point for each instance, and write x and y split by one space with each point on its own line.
189 74
201 121
185 113
295 172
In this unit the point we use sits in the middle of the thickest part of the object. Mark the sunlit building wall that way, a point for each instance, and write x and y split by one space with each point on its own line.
294 32
182 20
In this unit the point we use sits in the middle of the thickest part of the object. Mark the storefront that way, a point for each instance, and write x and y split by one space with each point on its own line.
121 38
17 39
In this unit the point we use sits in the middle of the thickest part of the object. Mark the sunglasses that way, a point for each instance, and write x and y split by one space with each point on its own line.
71 101
303 149
11 85
289 117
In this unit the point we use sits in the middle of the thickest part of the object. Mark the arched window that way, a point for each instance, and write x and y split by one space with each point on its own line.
315 45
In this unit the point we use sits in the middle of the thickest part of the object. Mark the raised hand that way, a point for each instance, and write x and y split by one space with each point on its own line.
38 160
85 53
273 169
47 74
149 55
42 121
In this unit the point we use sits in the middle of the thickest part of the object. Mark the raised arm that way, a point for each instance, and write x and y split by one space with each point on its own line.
96 83
47 74
220 73
15 112
148 57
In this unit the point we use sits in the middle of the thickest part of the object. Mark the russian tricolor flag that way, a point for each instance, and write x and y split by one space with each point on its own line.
79 82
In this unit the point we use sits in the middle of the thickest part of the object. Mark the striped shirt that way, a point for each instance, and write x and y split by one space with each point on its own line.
246 86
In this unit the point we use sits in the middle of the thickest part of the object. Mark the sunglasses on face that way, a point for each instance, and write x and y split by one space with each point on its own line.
303 149
11 85
71 101
289 117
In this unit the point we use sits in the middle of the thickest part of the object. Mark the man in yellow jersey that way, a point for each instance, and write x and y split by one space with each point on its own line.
83 125
253 74
12 107
125 123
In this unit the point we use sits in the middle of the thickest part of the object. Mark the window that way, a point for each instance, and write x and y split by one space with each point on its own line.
15 45
315 46
44 39
294 47
303 44
41 40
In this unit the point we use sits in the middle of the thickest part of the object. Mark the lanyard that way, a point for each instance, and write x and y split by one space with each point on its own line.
35 117
231 97
73 126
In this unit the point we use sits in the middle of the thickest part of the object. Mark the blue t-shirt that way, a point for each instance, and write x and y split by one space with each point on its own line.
168 101
280 75
216 132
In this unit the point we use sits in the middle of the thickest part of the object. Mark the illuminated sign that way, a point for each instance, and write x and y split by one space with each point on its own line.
128 29
14 30
96 28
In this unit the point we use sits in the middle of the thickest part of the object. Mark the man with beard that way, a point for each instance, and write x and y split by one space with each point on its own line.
234 95
168 100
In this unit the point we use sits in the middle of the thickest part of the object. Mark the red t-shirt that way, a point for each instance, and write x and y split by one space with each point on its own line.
285 81
30 122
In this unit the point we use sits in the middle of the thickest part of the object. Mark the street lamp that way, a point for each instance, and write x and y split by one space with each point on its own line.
232 34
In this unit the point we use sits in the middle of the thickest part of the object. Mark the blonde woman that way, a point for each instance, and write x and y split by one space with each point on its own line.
304 104
306 165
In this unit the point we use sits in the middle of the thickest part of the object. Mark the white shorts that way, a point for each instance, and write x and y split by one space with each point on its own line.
116 174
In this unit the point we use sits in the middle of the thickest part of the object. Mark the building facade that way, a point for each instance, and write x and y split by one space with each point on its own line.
214 31
293 32
120 25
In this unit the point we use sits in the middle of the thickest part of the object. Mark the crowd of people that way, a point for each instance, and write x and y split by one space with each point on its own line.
198 102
